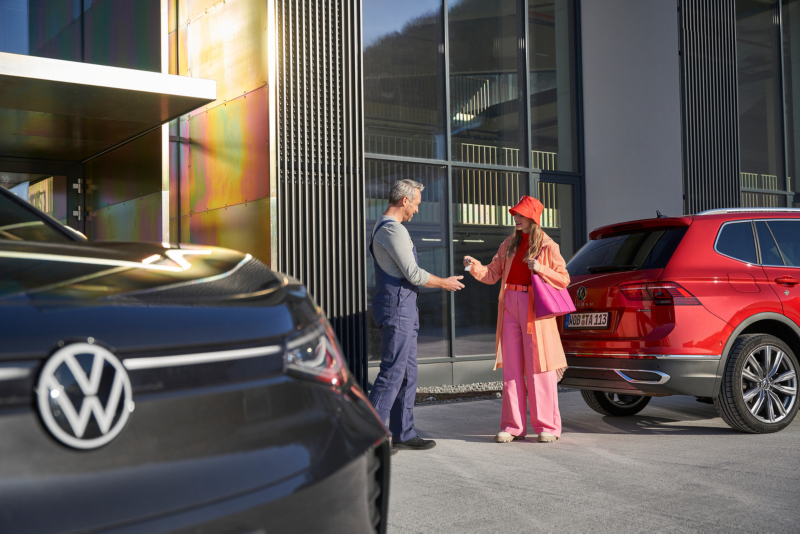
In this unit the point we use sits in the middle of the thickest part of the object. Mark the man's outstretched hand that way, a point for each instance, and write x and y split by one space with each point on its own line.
449 284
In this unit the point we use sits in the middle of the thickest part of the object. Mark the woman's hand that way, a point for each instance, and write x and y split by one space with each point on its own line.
469 260
533 264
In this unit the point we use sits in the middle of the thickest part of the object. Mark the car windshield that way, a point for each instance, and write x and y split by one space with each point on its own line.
629 252
20 224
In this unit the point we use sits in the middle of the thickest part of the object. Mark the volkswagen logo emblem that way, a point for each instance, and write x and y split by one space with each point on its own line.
84 395
581 293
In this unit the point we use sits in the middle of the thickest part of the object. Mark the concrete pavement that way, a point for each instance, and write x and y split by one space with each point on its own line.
674 467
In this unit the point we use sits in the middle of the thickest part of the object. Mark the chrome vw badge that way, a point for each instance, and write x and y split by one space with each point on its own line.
581 293
84 396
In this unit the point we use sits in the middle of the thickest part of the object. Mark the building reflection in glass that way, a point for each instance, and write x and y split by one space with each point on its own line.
760 98
404 78
551 59
486 63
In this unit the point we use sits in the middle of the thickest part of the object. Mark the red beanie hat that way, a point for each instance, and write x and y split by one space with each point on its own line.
529 207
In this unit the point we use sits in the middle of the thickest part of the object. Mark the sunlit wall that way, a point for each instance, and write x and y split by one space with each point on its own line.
219 154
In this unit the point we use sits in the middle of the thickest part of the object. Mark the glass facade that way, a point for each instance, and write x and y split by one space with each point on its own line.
505 71
404 78
486 69
117 33
554 116
768 72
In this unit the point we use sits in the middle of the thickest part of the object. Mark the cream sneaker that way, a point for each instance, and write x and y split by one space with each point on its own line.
547 437
505 437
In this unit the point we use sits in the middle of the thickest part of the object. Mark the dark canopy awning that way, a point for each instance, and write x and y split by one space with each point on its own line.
63 110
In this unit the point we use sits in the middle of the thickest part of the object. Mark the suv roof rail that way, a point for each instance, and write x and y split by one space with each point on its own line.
746 210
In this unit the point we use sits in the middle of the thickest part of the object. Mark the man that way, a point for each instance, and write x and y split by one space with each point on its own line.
394 309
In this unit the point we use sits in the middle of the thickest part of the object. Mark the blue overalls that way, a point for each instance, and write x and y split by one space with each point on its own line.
394 309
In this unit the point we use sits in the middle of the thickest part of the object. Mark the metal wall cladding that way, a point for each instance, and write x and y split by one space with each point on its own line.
124 33
228 154
244 227
138 219
321 219
227 43
131 171
219 160
709 104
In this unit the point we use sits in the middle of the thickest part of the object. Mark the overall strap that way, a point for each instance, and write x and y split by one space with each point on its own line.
377 229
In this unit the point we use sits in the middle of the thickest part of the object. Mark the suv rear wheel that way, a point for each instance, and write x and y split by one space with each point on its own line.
759 385
614 404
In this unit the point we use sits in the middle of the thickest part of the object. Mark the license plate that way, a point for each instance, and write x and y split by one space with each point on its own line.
593 321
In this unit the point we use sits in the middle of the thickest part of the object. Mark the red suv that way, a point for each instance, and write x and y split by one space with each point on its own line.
705 305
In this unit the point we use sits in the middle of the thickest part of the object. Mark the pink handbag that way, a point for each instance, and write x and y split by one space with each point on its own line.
549 301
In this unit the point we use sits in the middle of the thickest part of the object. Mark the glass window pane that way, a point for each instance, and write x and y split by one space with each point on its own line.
481 200
486 105
769 251
551 53
760 100
787 234
558 217
14 26
790 15
45 28
428 230
736 240
404 78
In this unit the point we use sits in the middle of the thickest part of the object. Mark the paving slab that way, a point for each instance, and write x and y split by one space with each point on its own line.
674 467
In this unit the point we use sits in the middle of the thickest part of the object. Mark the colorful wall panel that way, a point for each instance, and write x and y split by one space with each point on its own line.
138 219
242 227
219 154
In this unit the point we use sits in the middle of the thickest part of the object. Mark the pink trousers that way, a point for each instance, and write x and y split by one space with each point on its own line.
518 350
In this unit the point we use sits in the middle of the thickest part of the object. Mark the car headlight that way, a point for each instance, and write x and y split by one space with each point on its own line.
314 352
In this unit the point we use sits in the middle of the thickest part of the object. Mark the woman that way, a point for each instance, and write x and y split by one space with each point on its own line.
526 348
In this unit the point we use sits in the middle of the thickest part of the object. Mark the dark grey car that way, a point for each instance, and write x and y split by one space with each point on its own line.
156 387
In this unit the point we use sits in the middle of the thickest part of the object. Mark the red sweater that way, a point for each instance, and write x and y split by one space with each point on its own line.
520 273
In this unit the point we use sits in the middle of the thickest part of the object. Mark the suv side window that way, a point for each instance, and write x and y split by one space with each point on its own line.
787 235
769 250
736 240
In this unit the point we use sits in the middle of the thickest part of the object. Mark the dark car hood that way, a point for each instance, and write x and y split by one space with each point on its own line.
141 297
80 272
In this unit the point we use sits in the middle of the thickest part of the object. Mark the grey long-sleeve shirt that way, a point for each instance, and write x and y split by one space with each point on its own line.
394 253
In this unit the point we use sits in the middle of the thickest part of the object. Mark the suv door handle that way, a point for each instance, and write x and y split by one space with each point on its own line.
788 280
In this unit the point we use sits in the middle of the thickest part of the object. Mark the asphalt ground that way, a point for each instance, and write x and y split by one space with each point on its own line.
674 467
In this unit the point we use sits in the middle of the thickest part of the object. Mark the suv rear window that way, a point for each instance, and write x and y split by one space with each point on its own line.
736 240
650 249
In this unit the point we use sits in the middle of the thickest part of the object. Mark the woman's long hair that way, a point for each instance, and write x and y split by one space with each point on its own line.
534 242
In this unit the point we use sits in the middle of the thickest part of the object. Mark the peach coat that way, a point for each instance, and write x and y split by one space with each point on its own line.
553 270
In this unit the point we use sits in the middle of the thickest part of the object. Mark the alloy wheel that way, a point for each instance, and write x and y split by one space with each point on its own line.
769 384
624 401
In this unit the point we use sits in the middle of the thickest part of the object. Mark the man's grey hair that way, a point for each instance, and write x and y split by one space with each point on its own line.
403 189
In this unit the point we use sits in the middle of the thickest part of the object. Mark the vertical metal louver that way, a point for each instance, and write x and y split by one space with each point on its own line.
709 104
321 224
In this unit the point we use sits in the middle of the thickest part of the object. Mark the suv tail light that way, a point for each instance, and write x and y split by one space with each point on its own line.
660 293
314 353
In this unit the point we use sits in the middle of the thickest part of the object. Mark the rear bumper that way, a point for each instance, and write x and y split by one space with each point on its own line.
657 375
